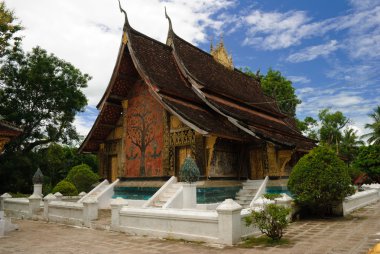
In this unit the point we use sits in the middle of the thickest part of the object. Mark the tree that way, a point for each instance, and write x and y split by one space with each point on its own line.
331 126
278 87
8 30
56 161
308 127
349 145
320 180
374 135
82 177
41 94
368 161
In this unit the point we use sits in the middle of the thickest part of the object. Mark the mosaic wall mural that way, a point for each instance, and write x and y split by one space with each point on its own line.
144 139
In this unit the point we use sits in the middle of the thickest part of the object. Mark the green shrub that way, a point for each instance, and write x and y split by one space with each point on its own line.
319 181
82 177
272 196
189 171
65 188
271 221
368 161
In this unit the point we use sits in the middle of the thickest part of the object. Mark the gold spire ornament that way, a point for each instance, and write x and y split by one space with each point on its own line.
219 53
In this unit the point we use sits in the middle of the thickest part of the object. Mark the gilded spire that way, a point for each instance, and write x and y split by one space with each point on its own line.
220 54
169 40
126 23
170 21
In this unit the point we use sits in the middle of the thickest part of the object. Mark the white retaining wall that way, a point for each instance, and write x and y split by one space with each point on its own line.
359 200
225 225
66 212
170 223
72 213
17 207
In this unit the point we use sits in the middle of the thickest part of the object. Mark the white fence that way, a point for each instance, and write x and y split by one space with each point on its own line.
72 213
359 200
225 225
16 207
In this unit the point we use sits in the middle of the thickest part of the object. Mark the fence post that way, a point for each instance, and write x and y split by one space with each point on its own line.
229 221
189 194
116 205
34 205
2 198
58 195
90 210
47 199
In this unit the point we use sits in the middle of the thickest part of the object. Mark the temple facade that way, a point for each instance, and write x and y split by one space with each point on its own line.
168 101
7 132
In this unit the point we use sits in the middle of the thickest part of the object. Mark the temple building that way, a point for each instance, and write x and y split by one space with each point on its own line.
7 132
168 101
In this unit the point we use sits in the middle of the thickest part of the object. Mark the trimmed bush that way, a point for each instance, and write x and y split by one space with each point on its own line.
82 177
320 180
271 221
65 188
189 171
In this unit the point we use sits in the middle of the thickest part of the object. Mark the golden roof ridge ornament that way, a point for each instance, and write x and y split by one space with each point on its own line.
126 24
220 54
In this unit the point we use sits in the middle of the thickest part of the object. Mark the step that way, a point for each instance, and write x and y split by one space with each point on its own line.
163 199
242 192
158 203
244 198
167 195
250 187
171 190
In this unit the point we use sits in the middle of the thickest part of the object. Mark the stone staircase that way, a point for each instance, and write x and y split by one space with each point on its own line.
103 193
99 190
166 195
248 192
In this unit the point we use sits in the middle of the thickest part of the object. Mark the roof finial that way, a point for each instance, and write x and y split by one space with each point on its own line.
170 21
125 15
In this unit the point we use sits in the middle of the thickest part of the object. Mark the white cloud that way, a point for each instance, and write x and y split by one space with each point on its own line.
305 90
87 33
311 53
279 30
274 30
299 79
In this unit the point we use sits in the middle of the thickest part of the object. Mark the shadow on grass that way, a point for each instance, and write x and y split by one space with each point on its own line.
263 241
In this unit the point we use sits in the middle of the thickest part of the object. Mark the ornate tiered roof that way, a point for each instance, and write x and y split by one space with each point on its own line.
8 130
207 96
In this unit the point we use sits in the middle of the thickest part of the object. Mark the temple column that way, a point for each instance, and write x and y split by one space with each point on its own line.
123 161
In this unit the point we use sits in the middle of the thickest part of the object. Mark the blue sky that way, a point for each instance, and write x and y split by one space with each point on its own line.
329 49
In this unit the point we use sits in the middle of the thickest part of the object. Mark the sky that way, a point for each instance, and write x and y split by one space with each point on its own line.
330 50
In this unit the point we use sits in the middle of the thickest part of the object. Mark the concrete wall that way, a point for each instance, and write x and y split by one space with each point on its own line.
16 207
72 213
359 200
170 223
225 224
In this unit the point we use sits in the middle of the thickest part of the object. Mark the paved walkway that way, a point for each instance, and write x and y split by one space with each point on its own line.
345 235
